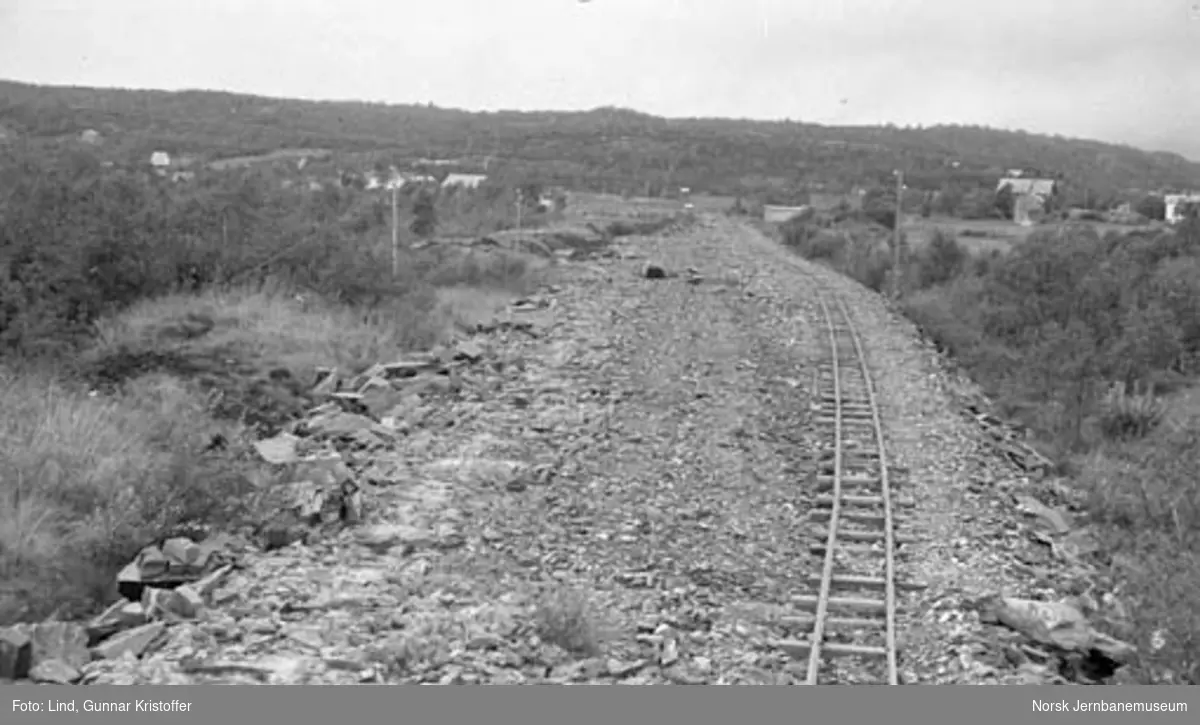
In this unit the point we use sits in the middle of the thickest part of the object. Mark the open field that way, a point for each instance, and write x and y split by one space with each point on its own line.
234 162
712 203
584 207
985 235
587 206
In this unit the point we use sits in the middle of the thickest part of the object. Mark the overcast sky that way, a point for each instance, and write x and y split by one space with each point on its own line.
1121 70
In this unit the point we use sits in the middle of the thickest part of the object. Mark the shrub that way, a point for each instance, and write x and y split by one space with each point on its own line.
562 617
982 264
939 261
1127 416
424 221
823 245
865 261
944 316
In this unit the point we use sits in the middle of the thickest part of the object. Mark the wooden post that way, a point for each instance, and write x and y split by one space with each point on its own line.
896 271
395 230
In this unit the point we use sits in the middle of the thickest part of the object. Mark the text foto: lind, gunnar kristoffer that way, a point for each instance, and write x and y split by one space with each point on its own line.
101 706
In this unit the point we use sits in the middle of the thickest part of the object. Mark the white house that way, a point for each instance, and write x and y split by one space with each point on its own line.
1176 205
401 179
160 159
467 181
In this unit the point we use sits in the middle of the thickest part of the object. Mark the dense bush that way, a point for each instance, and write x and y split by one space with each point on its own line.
940 261
858 254
1152 207
1130 415
78 243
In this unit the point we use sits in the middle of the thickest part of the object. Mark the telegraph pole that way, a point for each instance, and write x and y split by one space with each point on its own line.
395 230
896 271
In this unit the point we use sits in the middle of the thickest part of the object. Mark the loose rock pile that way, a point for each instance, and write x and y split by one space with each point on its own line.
336 460
1005 440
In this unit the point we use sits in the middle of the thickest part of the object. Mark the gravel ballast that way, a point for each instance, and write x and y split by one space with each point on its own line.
619 495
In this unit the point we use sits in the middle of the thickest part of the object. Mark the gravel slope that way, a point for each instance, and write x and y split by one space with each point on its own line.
970 542
619 497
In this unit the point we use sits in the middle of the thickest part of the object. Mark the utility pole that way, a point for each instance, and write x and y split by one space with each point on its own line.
896 271
520 198
395 230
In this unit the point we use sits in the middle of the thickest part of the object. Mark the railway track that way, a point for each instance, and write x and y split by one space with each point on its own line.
852 612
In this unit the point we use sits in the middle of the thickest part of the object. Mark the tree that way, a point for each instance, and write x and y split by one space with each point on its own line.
531 192
1152 207
1005 201
424 213
948 200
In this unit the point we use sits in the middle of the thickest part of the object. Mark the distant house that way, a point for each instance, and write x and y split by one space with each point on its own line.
466 181
408 177
780 214
90 136
825 201
1044 188
401 179
1178 205
160 159
1029 195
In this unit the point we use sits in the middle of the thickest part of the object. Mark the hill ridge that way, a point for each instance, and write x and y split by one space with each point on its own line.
608 147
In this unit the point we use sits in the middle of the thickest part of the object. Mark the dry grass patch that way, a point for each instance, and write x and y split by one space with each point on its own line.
465 307
271 328
86 481
563 617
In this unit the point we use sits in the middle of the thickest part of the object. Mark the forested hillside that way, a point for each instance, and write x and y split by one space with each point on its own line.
609 148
